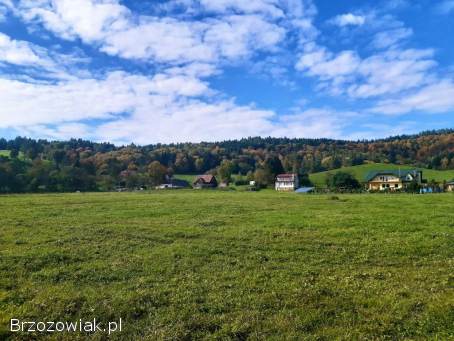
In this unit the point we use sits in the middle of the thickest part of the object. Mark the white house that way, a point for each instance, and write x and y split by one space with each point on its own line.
286 182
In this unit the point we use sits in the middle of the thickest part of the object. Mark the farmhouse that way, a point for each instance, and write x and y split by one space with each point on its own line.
450 186
205 181
286 182
392 180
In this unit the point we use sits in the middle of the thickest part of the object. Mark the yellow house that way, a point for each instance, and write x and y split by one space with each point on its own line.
392 180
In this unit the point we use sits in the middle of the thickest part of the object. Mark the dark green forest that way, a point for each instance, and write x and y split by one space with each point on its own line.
28 165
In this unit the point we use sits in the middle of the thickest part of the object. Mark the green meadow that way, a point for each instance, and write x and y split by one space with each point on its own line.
204 265
361 171
5 153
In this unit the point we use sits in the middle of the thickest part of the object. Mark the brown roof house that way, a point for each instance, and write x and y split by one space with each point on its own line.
286 182
205 181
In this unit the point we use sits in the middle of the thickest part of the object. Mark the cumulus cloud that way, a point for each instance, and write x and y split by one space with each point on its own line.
349 19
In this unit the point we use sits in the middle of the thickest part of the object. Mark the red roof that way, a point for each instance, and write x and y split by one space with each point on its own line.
208 178
286 176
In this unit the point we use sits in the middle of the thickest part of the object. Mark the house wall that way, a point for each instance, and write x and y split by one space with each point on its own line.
383 186
285 186
386 179
201 184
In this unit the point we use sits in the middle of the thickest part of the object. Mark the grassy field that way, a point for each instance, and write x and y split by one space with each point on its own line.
184 265
361 171
187 177
4 153
7 153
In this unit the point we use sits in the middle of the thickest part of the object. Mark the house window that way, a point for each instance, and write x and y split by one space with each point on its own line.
396 186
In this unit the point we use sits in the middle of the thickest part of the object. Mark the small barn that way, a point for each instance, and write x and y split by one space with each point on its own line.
205 181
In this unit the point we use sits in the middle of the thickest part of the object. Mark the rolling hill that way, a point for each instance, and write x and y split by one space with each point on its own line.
360 172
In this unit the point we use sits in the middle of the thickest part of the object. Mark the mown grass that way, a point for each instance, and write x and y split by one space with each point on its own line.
183 265
361 171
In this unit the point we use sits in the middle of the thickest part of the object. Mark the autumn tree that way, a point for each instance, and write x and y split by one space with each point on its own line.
225 170
156 173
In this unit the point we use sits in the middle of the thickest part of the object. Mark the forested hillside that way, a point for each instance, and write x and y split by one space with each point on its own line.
28 165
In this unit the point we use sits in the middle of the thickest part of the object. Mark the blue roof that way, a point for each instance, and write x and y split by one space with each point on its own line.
305 189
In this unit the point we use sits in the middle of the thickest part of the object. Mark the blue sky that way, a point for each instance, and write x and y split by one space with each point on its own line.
209 70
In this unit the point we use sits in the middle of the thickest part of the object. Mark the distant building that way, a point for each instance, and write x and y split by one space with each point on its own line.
286 182
172 183
205 181
392 180
450 186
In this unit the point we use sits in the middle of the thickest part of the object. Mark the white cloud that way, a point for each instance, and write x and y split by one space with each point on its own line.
81 99
19 52
385 73
392 37
319 62
65 101
238 36
160 39
348 19
37 61
237 31
434 98
86 19
392 72
163 108
63 131
170 40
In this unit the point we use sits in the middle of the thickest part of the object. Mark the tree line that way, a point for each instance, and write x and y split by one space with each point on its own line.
29 165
